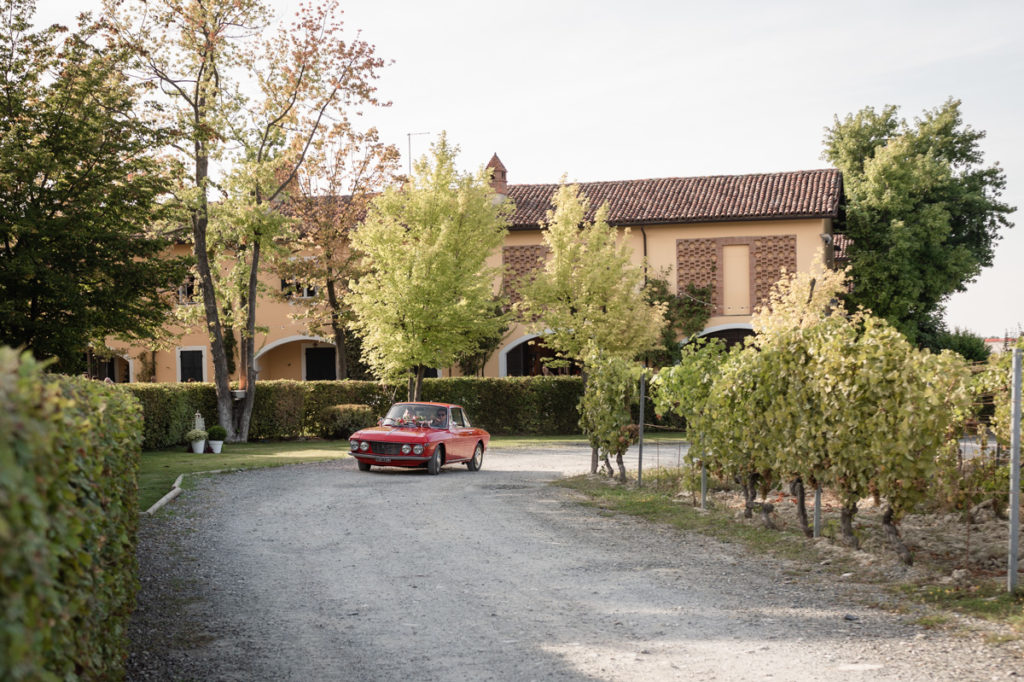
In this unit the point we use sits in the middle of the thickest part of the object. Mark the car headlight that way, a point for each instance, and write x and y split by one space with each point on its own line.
354 445
406 449
417 449
364 446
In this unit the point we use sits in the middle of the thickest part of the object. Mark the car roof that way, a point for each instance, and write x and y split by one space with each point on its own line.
429 404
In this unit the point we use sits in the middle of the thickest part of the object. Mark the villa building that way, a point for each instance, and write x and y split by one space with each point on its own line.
735 232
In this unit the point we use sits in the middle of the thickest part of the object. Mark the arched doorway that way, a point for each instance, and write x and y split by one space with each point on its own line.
731 334
525 357
299 358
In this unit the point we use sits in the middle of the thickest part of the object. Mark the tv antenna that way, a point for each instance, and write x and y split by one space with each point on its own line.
409 147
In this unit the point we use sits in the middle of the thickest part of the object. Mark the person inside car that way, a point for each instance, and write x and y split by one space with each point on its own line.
440 419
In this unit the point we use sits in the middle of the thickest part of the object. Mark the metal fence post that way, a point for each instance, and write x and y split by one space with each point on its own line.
1011 574
640 455
703 485
817 512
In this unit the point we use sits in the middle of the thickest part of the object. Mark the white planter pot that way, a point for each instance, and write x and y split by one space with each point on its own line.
197 446
216 445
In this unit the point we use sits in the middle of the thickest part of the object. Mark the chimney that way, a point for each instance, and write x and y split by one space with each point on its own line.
499 180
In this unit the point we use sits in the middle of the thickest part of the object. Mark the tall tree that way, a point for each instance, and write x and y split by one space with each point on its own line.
253 108
335 185
426 297
79 195
923 211
589 294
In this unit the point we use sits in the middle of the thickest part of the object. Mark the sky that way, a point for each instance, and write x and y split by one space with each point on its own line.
600 90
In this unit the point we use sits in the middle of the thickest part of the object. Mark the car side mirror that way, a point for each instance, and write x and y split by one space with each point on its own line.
380 421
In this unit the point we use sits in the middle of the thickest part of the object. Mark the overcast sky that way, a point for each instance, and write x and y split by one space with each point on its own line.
601 90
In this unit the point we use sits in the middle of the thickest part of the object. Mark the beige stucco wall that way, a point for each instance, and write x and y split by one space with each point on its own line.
279 346
661 256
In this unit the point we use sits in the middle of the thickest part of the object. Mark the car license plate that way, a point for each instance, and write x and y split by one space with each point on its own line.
385 459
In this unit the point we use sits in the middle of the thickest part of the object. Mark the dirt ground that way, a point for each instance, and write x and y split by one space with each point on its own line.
946 547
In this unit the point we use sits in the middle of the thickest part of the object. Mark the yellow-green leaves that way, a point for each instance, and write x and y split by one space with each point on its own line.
426 296
589 291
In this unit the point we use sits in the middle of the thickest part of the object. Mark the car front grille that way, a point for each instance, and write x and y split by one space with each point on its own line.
382 448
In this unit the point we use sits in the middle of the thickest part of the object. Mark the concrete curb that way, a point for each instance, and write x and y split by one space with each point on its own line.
175 491
176 488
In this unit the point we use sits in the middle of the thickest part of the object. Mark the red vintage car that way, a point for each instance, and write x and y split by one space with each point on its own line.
421 435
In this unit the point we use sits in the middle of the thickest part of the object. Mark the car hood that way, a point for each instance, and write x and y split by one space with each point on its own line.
402 434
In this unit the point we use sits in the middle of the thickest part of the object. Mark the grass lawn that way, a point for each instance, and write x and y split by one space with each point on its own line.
161 467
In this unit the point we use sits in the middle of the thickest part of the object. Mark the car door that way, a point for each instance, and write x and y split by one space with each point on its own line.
462 435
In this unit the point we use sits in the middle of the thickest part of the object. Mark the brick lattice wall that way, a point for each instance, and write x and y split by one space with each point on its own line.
697 263
520 262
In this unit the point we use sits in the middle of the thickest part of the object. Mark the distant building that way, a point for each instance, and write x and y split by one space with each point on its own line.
735 232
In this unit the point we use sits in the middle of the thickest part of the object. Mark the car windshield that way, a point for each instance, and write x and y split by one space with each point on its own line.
412 414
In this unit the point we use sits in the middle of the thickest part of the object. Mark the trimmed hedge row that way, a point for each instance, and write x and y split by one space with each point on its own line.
69 458
293 409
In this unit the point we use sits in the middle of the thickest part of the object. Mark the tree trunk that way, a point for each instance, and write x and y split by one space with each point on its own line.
766 515
243 409
893 533
797 489
200 221
338 327
420 371
595 459
846 525
622 467
749 495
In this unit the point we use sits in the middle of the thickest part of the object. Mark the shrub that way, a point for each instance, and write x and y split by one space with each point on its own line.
217 432
341 421
167 413
194 435
279 410
69 456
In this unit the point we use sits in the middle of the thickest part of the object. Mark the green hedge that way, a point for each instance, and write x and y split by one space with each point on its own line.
293 409
341 421
69 457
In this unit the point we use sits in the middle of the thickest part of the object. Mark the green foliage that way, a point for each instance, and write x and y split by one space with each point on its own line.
79 184
588 293
686 314
542 405
684 388
217 432
195 434
279 410
971 346
612 386
69 458
294 409
996 380
341 421
167 412
426 298
923 213
839 400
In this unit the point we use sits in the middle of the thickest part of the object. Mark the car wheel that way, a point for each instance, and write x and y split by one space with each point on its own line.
478 459
363 466
434 464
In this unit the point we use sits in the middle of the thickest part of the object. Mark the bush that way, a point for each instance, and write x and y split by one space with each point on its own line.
217 432
293 409
279 410
167 413
69 457
341 421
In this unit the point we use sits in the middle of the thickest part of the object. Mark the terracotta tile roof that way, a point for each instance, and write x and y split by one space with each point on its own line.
765 196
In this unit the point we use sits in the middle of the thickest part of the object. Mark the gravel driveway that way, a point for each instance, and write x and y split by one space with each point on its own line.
320 572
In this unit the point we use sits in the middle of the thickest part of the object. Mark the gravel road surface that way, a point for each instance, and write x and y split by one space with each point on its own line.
321 572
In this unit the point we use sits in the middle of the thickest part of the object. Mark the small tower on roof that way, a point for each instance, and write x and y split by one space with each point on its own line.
499 176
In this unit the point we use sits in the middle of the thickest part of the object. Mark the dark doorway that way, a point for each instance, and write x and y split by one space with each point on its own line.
527 360
320 364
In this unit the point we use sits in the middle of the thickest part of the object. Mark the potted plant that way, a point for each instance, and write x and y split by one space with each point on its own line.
217 435
198 439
